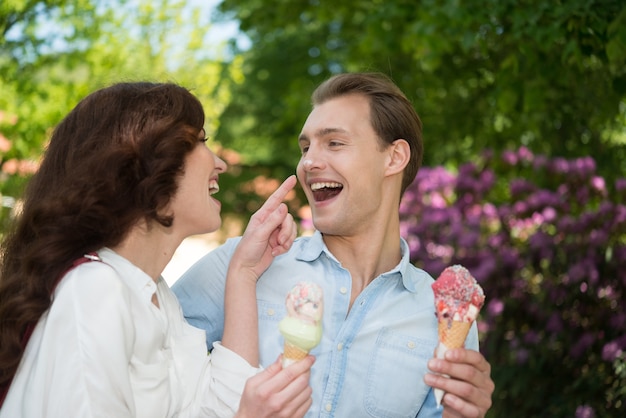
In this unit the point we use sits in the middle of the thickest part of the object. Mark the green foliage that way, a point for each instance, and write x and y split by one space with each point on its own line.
53 53
548 75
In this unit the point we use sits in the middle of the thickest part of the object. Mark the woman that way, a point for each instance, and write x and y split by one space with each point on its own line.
125 179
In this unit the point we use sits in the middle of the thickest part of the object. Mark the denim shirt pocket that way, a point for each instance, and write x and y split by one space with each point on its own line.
395 385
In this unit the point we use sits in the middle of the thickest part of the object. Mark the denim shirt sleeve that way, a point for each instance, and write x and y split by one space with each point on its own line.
200 291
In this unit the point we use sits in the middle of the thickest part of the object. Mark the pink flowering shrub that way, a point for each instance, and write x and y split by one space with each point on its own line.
546 239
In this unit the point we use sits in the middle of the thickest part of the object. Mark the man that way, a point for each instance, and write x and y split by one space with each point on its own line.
361 147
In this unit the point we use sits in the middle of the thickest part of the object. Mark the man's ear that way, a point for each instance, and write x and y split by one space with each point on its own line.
399 155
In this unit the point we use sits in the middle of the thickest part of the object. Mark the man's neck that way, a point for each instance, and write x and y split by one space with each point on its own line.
366 256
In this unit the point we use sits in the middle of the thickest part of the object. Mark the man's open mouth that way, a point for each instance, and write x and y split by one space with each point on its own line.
325 190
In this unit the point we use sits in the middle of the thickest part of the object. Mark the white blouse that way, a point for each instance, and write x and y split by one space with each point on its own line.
104 349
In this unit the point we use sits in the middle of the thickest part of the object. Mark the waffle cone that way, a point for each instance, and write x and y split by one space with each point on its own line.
453 336
292 353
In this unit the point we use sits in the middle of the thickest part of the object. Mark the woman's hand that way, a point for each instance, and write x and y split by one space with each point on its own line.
270 232
469 388
278 392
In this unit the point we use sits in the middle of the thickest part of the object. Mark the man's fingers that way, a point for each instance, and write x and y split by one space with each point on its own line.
462 364
469 357
460 371
458 407
469 386
461 398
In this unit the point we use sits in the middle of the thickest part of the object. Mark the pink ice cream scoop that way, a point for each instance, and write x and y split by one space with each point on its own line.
458 299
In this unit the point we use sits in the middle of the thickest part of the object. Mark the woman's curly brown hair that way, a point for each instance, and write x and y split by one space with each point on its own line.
114 160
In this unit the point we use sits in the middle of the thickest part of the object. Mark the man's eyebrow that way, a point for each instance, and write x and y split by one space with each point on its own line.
322 132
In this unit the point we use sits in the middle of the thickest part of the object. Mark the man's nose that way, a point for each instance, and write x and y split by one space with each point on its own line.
312 160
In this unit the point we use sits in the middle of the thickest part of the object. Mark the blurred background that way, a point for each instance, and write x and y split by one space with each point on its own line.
524 112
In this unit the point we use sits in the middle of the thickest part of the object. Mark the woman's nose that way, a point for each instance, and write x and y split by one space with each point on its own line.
220 165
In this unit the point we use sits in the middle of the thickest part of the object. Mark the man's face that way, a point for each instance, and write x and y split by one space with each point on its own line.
342 166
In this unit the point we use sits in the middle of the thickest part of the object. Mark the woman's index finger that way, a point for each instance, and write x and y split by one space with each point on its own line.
279 194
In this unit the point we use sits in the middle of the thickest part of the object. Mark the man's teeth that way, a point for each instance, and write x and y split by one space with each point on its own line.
328 185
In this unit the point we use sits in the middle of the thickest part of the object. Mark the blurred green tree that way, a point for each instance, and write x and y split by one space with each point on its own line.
54 52
549 75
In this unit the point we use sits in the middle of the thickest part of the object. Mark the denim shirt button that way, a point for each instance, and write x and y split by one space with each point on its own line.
328 407
339 346
343 290
411 344
270 312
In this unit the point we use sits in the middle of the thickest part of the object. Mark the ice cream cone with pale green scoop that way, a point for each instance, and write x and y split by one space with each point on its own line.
302 327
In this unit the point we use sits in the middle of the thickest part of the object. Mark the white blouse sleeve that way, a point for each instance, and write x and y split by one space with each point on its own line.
213 382
223 382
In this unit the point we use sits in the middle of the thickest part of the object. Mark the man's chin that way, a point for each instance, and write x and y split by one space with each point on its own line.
325 226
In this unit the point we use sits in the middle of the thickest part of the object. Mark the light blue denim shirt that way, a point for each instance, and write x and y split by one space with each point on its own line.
372 358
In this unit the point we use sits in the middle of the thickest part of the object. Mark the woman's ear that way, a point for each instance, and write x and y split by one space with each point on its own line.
399 155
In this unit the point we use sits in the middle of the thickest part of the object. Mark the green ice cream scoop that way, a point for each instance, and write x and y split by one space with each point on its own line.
299 333
302 327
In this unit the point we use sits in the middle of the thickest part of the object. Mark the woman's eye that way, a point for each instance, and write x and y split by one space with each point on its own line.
204 139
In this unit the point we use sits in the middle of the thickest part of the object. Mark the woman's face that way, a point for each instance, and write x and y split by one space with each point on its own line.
195 210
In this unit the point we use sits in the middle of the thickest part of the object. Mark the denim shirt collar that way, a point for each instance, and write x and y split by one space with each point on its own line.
315 246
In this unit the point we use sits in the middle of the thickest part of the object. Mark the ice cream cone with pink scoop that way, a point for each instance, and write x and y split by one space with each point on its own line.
302 327
458 299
